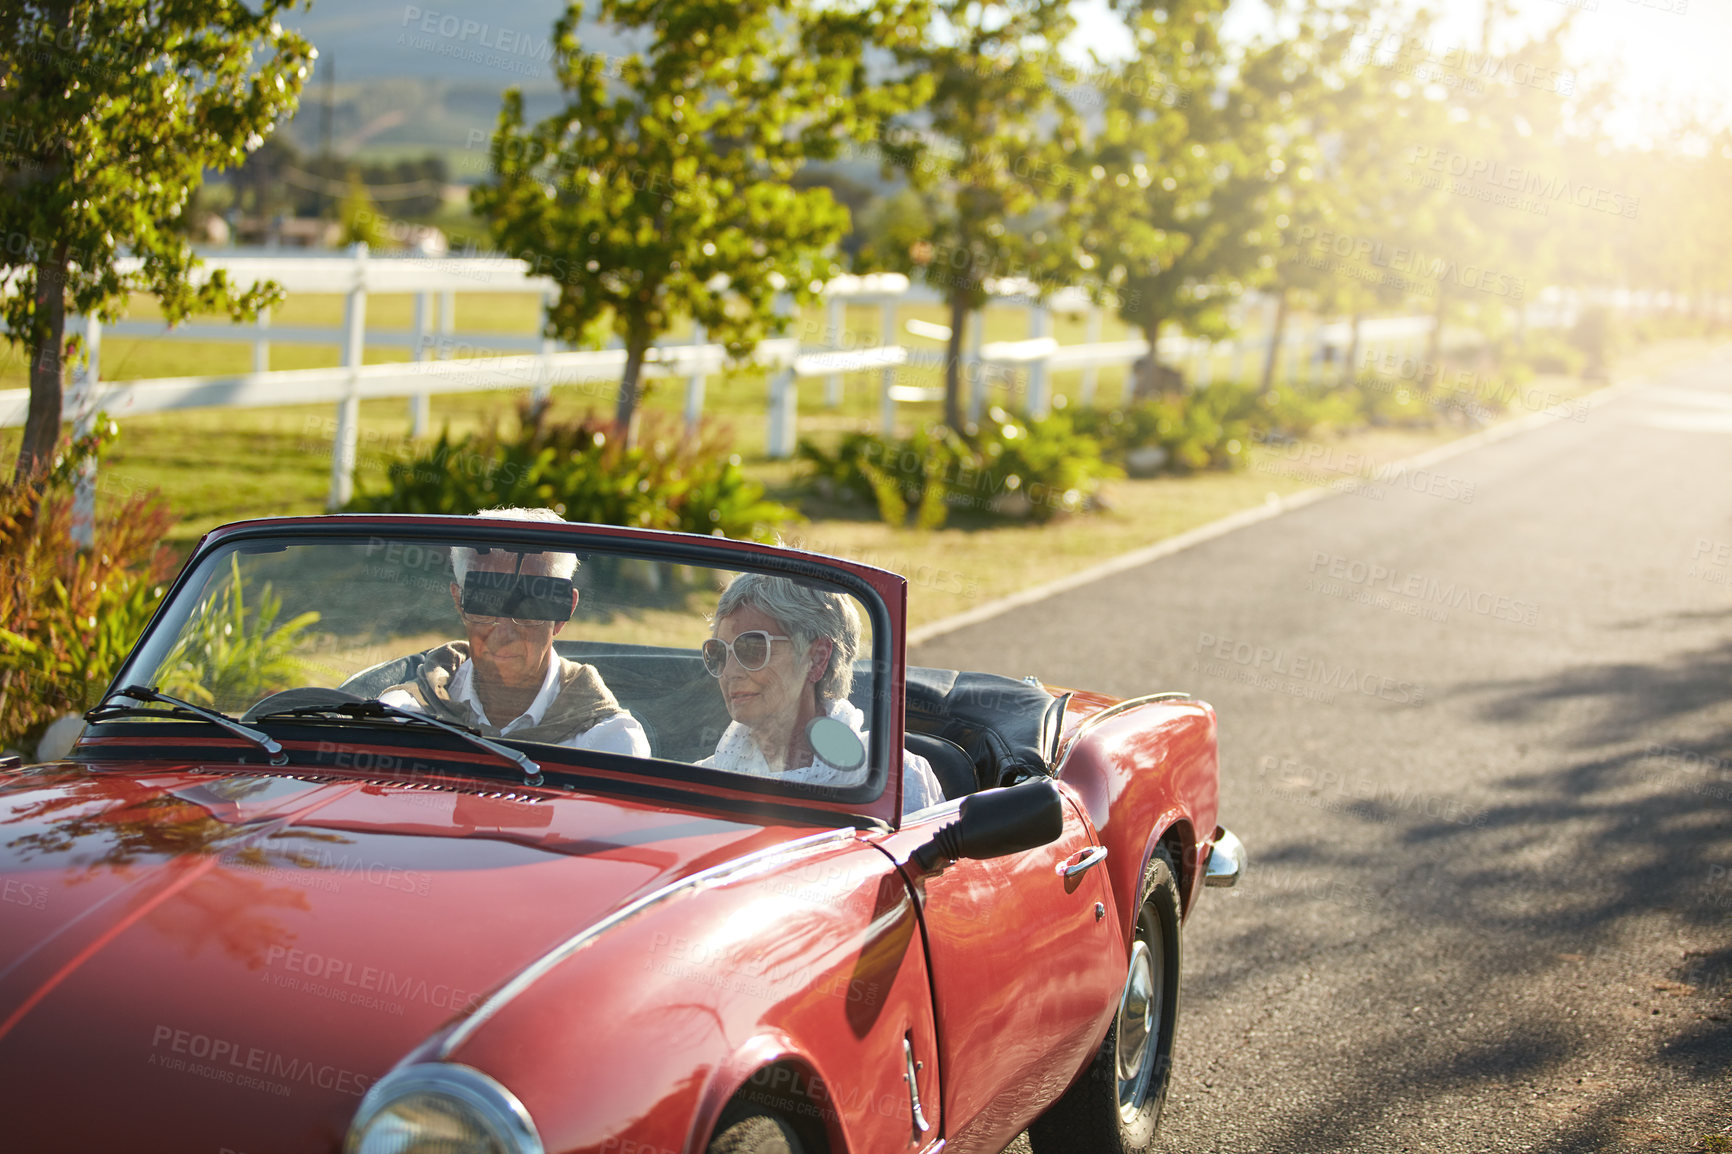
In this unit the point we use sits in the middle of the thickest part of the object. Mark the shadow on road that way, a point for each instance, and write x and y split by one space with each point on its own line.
1565 947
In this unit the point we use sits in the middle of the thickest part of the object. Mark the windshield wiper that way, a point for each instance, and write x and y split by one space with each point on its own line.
373 710
103 712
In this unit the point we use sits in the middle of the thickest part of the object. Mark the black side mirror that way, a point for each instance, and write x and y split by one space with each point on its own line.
996 822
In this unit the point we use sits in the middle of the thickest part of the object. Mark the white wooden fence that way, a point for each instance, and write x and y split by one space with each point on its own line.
540 363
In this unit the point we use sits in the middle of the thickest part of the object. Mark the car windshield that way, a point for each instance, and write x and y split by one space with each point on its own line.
564 645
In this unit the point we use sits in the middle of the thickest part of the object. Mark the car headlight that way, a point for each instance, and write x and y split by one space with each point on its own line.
441 1108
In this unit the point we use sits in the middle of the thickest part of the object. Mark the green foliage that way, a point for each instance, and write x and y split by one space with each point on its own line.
1541 351
1208 428
360 216
229 657
662 190
584 473
1011 468
986 158
114 111
1178 212
68 617
1037 468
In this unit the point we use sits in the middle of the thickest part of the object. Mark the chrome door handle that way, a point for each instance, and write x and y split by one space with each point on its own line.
1082 861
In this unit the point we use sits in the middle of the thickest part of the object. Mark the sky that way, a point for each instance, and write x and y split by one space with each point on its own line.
1668 49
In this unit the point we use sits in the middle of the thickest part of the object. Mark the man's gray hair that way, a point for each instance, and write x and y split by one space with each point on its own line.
807 614
559 564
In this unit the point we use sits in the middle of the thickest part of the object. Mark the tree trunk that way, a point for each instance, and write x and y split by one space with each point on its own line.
1276 332
625 414
1149 384
1350 368
1431 369
42 422
953 411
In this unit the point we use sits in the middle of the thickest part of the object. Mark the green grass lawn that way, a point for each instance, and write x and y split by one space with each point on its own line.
217 465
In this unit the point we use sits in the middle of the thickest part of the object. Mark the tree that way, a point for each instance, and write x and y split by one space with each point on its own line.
1179 206
115 109
1348 116
1484 208
662 189
986 151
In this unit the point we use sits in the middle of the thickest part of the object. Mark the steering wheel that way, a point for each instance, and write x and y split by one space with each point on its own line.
298 697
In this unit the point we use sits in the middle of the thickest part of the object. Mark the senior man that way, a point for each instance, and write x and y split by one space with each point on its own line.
504 678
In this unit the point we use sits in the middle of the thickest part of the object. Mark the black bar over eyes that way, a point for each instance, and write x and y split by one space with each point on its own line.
523 595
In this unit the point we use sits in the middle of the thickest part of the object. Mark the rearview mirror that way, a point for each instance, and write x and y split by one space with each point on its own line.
996 822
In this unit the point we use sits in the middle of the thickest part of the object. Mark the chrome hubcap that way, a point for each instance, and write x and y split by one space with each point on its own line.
1139 1013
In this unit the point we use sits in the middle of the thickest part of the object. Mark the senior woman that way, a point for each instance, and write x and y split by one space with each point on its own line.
783 655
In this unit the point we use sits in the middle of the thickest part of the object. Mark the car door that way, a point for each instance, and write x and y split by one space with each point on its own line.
1027 965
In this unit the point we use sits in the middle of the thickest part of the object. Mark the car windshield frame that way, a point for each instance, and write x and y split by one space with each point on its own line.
876 798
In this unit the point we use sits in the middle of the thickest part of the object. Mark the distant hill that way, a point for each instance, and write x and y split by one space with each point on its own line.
501 41
409 79
405 80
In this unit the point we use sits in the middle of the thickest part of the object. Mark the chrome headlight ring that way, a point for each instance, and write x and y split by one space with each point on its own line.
442 1106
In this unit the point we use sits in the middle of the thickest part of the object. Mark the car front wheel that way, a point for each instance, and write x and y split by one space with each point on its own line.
756 1134
1116 1105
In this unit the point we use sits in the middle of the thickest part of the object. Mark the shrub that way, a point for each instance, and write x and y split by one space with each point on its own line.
895 476
1013 467
1540 351
580 471
68 617
1206 428
228 657
1034 468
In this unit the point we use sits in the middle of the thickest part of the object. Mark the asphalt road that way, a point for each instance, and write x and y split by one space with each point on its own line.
1476 733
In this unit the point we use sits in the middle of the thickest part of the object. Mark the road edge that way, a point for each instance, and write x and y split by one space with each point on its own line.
1274 507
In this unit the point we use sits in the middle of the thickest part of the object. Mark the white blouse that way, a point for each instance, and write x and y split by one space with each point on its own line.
738 753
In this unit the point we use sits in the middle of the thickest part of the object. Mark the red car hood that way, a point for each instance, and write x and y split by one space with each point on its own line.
193 960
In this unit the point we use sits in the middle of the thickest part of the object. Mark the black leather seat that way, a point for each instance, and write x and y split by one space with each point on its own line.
950 762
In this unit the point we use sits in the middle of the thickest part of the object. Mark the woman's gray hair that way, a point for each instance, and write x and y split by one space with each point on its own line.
558 564
807 614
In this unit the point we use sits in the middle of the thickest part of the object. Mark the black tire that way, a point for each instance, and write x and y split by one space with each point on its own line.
1104 1113
756 1134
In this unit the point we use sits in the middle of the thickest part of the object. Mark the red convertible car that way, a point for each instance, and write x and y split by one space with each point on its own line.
507 836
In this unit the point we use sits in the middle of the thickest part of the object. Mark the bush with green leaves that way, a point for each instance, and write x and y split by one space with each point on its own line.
582 472
895 476
230 656
1544 351
1012 467
69 616
1038 468
1206 428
